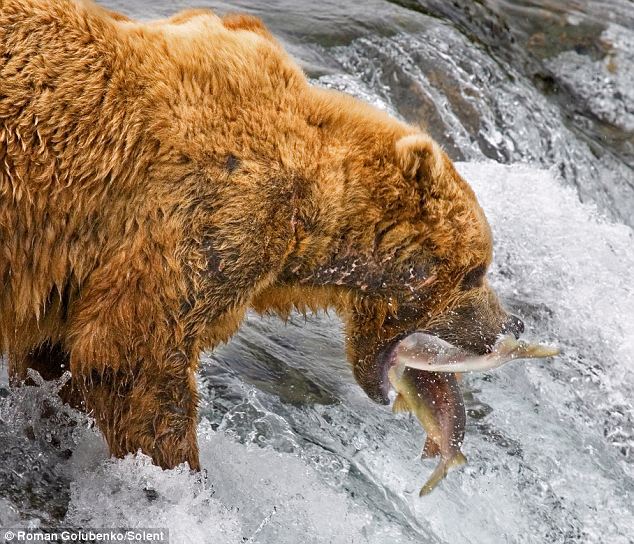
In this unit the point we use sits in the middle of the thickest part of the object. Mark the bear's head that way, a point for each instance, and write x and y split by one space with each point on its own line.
410 253
427 267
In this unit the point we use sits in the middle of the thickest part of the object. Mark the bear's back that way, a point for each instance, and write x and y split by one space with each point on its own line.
94 106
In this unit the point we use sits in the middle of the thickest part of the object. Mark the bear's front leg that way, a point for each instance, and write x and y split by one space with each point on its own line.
133 362
151 408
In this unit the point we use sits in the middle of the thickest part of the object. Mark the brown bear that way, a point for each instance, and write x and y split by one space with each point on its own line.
159 179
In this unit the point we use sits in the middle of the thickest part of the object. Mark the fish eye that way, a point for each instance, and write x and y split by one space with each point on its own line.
474 278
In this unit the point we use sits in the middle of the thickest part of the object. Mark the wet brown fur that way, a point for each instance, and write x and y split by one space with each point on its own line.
159 179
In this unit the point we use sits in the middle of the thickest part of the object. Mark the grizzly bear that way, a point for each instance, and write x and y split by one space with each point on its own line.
157 180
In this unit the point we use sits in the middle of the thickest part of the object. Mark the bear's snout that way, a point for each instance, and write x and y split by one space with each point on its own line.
513 325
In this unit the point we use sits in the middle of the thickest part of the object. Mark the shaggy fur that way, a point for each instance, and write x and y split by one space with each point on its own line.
159 179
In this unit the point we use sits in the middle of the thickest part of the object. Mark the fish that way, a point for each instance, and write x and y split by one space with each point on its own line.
436 401
424 375
430 353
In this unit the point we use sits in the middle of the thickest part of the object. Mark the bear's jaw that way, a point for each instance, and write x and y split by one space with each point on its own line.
385 359
390 361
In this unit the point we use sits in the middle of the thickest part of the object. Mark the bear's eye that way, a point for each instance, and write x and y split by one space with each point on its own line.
473 278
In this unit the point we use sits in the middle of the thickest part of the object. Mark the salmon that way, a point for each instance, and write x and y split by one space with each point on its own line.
423 375
436 401
426 352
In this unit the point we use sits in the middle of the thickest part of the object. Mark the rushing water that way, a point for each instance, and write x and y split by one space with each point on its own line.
292 449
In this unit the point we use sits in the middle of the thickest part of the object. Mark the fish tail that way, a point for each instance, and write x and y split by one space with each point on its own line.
538 351
436 477
441 471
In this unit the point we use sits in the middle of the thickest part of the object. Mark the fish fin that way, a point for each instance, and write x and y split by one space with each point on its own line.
430 449
400 404
441 471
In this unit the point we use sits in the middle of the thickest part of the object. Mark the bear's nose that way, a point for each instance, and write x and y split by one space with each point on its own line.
513 325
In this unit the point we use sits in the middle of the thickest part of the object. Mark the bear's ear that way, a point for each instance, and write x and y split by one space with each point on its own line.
419 157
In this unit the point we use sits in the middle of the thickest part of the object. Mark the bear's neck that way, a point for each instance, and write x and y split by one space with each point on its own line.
352 154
